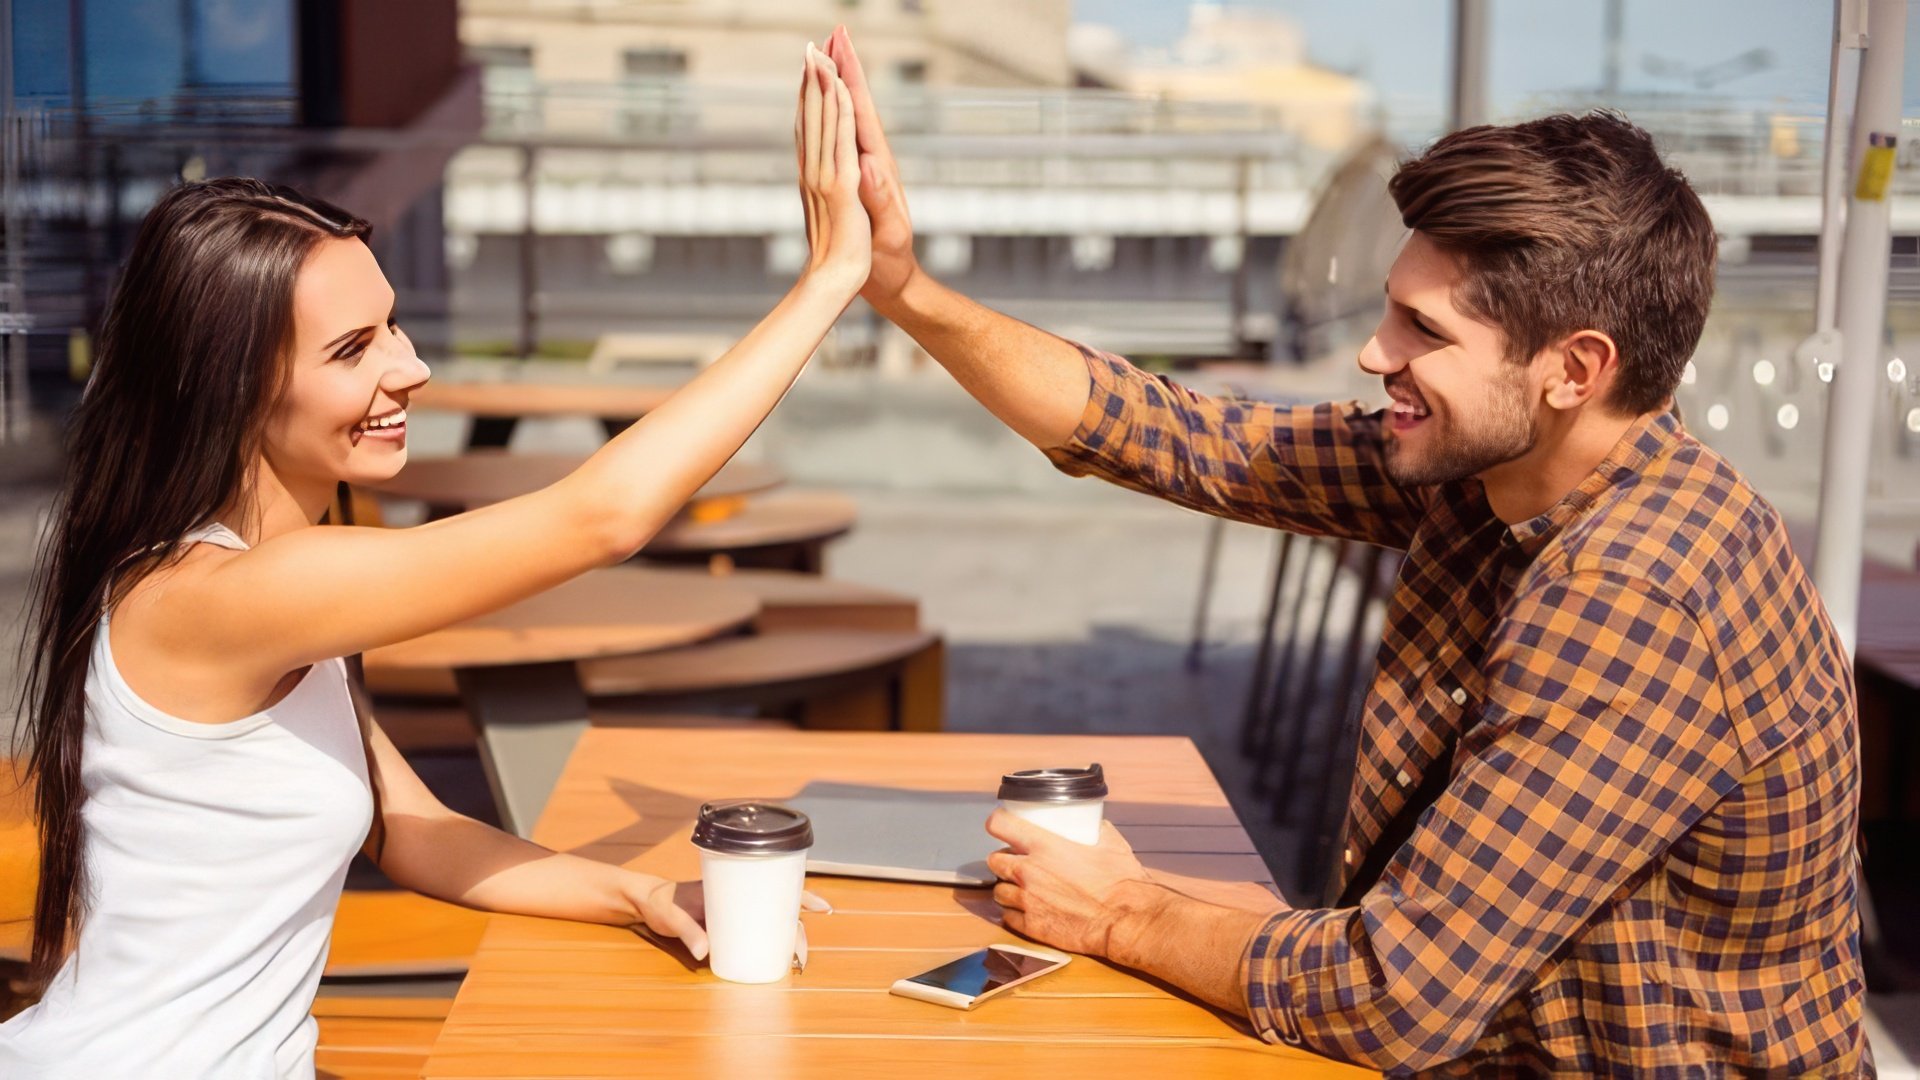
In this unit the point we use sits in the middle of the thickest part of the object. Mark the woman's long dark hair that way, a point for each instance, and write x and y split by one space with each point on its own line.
189 364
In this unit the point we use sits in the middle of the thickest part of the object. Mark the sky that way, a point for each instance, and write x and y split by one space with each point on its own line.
1543 46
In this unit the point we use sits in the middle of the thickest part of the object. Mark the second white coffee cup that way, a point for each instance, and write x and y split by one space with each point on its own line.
1067 801
753 866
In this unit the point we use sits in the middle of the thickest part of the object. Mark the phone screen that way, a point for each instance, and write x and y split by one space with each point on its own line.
989 969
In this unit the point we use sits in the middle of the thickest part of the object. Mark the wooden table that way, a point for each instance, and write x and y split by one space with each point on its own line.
515 668
548 998
463 481
496 407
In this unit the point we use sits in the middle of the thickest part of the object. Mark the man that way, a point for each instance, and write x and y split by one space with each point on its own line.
1603 815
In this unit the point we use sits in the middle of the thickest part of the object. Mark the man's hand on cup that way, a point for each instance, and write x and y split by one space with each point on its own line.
839 237
1061 893
886 204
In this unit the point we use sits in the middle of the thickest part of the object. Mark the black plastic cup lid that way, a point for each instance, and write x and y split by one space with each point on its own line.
1055 785
752 827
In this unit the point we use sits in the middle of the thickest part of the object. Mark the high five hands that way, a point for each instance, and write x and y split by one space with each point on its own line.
880 193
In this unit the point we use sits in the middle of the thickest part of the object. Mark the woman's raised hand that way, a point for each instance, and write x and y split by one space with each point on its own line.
839 238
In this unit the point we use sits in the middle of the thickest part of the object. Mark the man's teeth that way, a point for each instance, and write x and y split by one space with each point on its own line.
388 421
1403 409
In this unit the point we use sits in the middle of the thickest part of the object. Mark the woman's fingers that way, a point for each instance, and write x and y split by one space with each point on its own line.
669 919
829 122
810 902
846 152
810 124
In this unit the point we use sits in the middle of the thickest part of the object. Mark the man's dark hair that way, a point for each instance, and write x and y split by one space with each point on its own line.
1571 223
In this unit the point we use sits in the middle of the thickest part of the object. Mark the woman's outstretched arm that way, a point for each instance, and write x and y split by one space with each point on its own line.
316 593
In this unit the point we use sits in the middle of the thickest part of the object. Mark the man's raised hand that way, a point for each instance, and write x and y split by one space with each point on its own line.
880 192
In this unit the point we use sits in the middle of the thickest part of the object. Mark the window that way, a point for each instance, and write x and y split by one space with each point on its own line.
506 77
654 63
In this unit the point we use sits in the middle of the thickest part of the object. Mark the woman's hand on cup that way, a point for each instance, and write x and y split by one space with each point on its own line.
690 899
839 235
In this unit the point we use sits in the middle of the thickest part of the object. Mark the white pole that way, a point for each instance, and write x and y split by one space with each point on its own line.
1862 314
1468 105
1849 37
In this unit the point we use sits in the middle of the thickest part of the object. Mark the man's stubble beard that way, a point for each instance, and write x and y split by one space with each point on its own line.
1507 432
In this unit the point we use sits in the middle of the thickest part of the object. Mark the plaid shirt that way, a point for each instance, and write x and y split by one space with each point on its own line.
1642 861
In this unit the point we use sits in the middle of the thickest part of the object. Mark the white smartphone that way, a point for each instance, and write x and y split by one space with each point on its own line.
974 978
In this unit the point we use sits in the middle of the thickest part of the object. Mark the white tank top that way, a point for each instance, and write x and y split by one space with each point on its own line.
216 854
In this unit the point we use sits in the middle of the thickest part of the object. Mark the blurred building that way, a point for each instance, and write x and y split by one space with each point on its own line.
1242 57
990 43
108 102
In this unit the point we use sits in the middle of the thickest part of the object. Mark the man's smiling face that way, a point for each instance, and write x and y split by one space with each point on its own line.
1460 406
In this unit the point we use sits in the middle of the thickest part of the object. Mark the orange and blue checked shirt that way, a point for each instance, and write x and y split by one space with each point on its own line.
1639 856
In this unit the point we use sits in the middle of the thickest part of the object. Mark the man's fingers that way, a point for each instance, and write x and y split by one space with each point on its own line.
1017 833
1015 920
1005 866
866 116
1008 895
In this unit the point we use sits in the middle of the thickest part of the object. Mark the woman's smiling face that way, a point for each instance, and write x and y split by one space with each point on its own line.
351 367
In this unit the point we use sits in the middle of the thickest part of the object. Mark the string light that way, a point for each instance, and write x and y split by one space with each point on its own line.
1824 369
1717 417
1763 372
1688 374
1788 416
1913 420
1896 371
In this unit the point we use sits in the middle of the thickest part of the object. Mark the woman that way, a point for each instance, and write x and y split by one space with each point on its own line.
202 778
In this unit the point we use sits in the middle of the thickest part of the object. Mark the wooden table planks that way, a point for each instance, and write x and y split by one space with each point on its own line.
547 998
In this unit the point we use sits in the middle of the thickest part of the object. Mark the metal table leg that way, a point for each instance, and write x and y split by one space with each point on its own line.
529 717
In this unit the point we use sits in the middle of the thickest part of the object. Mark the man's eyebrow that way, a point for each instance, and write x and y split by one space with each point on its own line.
1439 329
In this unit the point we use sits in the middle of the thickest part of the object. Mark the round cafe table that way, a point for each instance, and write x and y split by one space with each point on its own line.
464 481
496 407
515 668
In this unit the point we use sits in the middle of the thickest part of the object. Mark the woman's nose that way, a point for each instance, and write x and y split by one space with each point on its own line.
406 371
1376 360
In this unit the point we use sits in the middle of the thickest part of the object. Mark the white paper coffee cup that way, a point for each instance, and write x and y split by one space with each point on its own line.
1068 802
753 867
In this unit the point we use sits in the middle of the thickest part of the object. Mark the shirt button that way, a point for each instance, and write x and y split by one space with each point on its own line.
1403 778
1348 856
1459 696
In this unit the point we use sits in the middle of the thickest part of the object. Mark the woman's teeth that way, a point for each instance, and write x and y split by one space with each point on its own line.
380 423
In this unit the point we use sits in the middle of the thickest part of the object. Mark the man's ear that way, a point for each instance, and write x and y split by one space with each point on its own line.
1580 368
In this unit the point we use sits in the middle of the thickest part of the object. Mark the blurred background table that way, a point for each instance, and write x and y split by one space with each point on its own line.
548 998
463 481
516 674
498 407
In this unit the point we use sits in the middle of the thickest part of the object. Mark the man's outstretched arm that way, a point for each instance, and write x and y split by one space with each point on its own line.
1036 383
1318 470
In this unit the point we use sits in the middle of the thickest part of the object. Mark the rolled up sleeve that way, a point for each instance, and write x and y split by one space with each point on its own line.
1316 469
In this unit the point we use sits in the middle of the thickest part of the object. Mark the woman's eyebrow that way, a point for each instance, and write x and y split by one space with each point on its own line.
346 336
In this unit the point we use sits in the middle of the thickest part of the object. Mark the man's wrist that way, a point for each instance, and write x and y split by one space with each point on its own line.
1139 906
900 304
